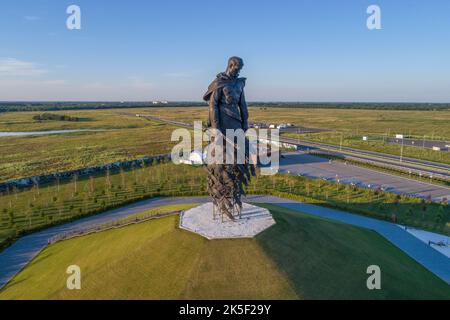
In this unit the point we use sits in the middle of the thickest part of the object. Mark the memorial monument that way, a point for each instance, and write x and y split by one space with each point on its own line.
226 216
228 110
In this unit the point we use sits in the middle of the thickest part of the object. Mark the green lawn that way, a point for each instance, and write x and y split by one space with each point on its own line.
301 257
328 260
147 214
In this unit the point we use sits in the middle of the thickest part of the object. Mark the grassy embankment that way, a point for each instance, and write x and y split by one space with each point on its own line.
301 257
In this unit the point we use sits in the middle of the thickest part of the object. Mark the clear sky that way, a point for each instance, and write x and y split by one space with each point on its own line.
299 50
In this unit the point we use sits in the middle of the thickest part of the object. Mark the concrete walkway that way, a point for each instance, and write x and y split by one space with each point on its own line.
252 220
439 242
14 258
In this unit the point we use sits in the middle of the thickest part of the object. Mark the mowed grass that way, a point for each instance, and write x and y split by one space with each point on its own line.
301 257
152 260
149 214
328 260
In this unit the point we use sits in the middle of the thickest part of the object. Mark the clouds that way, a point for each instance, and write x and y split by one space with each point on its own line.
32 18
26 80
177 75
11 68
139 83
44 89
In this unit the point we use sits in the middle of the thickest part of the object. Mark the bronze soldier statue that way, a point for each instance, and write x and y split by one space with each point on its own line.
228 110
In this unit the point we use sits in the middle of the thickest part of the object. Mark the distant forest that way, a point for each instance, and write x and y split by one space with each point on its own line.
55 106
55 117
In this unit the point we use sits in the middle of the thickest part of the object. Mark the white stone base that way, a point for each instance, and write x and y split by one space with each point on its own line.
200 220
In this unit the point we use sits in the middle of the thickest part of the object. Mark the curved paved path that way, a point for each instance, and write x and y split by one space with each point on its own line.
14 258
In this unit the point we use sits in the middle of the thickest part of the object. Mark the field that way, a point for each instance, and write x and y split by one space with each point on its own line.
350 125
128 137
54 106
156 260
125 138
375 143
433 124
23 211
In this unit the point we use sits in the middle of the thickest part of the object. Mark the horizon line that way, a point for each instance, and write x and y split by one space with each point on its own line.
203 102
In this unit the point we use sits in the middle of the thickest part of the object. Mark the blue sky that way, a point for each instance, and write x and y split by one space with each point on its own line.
299 50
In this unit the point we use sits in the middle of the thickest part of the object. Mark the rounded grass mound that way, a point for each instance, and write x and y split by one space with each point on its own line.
301 257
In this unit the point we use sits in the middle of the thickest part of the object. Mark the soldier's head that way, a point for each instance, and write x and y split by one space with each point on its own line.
235 64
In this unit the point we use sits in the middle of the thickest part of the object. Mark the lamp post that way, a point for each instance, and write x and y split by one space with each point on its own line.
401 151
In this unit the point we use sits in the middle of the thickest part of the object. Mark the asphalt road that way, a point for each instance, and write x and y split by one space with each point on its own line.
435 168
429 144
14 258
316 167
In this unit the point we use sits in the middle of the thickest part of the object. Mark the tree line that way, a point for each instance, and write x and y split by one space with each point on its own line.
55 106
55 117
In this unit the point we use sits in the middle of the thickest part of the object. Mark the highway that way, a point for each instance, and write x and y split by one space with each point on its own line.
426 166
299 163
422 167
421 143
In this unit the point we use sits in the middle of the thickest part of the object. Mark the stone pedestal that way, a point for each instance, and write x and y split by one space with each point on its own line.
253 220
